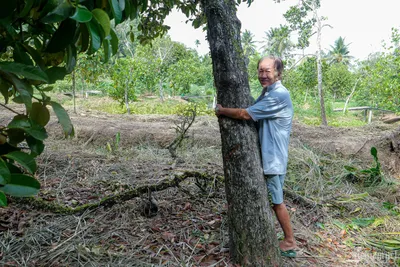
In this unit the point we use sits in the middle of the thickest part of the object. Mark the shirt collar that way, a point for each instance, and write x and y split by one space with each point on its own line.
271 87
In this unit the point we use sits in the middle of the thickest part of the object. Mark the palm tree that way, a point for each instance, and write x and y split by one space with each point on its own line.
248 45
277 41
339 52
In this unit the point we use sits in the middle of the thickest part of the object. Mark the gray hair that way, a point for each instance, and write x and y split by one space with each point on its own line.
278 64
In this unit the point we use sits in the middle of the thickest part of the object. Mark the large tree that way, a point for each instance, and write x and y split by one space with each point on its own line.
304 18
44 38
251 232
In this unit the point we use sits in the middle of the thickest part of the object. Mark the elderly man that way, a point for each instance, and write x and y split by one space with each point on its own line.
273 111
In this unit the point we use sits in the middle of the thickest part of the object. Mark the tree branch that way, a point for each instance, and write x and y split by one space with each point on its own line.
41 204
10 109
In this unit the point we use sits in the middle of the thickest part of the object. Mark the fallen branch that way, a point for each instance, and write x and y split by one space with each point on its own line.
41 204
89 140
296 198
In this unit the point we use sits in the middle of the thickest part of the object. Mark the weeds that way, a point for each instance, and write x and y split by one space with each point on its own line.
366 177
114 146
186 116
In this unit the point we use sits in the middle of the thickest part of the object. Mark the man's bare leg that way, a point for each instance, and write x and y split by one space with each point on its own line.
283 217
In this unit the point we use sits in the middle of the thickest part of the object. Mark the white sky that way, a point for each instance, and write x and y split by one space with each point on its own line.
363 23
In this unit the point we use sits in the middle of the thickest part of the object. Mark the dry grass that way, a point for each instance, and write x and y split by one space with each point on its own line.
190 225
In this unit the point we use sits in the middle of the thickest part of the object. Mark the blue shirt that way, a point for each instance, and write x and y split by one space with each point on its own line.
273 110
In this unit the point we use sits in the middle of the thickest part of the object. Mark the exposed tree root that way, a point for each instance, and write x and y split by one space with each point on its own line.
41 204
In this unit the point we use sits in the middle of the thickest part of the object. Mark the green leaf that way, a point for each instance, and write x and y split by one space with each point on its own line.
37 131
60 13
82 14
27 8
19 122
29 126
21 185
4 172
25 91
339 224
56 74
374 152
71 58
95 36
116 10
131 36
27 71
36 146
25 160
128 9
144 5
84 38
103 19
7 8
5 89
114 42
122 4
363 222
35 55
3 199
63 36
20 55
7 25
63 118
350 168
13 169
134 10
47 88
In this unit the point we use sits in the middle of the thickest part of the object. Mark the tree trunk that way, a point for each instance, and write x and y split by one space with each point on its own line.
348 98
128 109
252 236
319 70
74 90
83 87
161 89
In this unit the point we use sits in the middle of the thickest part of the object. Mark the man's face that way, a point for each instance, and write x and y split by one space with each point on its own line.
266 72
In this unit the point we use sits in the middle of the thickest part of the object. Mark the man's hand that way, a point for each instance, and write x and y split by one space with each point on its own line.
218 108
234 113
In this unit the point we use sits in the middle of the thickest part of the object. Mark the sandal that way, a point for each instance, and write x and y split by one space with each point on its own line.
289 253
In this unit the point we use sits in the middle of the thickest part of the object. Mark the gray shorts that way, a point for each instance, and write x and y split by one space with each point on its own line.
275 187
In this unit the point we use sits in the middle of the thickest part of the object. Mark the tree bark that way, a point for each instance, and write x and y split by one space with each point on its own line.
319 69
126 96
252 237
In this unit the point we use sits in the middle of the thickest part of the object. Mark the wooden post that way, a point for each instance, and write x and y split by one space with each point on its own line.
369 116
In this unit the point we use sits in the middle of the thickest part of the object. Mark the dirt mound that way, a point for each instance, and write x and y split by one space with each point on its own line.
355 142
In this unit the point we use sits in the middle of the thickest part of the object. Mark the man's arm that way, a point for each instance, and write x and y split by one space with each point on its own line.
234 113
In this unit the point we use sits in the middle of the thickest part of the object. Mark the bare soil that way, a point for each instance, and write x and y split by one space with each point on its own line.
189 228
